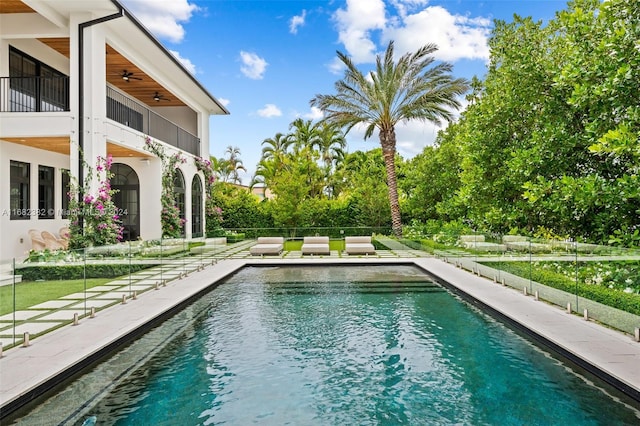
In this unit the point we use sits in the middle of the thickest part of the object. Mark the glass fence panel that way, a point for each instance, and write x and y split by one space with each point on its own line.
603 280
49 289
8 296
46 293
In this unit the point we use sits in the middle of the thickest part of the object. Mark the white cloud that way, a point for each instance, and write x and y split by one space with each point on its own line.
190 66
269 111
315 114
456 36
411 138
253 65
297 21
405 6
163 18
224 101
412 25
336 66
355 24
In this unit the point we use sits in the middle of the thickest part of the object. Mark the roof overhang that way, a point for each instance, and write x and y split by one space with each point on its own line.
134 42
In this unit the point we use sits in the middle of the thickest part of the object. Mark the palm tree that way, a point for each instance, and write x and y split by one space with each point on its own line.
220 168
331 143
304 138
275 148
396 92
234 164
304 134
266 170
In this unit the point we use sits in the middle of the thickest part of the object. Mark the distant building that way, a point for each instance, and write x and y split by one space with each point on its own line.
259 191
82 79
263 192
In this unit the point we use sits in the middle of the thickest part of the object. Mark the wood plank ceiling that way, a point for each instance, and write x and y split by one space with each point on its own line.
14 6
142 87
138 84
61 145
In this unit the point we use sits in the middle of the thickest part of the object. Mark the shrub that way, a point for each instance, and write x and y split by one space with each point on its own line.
74 272
613 297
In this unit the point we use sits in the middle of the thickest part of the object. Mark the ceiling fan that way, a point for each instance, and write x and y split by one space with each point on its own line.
160 97
126 76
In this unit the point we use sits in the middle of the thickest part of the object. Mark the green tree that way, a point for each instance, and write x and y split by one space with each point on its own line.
233 165
432 179
413 88
332 144
275 148
366 189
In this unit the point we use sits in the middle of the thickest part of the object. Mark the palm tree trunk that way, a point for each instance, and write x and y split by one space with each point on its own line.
388 142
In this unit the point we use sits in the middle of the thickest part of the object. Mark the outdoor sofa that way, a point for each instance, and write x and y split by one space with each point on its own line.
315 245
267 245
358 245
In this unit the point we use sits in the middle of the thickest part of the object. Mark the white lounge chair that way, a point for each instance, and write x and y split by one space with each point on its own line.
358 245
267 245
315 245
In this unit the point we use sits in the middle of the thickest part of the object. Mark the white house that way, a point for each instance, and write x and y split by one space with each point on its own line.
82 79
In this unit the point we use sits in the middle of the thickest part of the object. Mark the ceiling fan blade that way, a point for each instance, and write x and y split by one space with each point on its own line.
127 76
159 97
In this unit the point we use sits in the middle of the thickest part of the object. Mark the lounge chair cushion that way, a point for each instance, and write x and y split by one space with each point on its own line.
315 245
358 245
37 243
51 242
267 245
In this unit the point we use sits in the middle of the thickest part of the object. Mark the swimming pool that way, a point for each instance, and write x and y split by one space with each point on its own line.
333 345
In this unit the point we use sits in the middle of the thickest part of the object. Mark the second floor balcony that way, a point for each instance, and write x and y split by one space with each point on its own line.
133 114
51 94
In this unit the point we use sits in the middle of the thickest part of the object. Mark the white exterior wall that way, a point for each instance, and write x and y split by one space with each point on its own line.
22 31
15 241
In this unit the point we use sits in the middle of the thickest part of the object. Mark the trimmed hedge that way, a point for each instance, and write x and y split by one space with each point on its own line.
75 272
235 238
627 302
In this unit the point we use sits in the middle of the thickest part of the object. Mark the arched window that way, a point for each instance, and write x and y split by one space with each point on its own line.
127 199
196 207
179 190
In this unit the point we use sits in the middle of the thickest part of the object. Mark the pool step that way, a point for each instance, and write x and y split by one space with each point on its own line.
363 287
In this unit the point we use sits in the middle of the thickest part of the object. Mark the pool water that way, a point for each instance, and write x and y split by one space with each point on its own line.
341 345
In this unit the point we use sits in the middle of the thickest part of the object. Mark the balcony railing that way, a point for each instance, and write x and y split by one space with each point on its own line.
34 94
135 115
51 94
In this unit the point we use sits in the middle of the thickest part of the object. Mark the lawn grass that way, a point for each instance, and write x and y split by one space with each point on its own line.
34 292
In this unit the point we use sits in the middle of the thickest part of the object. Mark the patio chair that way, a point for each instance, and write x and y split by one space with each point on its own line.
267 245
315 245
51 242
37 243
65 235
358 245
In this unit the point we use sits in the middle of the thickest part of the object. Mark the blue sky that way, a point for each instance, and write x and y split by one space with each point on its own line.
266 59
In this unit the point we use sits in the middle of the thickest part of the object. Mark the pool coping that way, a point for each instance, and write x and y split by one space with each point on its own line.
27 373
